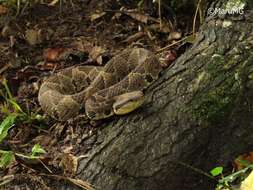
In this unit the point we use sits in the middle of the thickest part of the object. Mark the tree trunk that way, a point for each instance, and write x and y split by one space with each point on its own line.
199 112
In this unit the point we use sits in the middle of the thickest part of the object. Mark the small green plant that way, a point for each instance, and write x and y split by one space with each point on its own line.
10 101
225 181
37 150
15 114
6 158
13 109
7 123
216 171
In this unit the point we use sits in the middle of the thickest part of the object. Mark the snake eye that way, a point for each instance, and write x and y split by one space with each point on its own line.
148 78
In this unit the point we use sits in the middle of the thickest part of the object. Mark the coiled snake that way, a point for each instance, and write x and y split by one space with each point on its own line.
100 92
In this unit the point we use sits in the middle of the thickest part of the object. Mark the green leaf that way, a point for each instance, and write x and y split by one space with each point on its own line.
6 124
216 171
6 158
10 98
37 149
15 105
7 88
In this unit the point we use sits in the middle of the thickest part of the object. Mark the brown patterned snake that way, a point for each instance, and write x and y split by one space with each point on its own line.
117 88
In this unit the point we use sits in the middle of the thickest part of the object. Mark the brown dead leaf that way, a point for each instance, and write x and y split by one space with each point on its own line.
116 16
96 16
170 56
3 10
6 31
174 35
138 16
96 54
82 44
53 3
54 54
4 68
134 37
156 27
45 140
238 163
69 163
33 36
47 65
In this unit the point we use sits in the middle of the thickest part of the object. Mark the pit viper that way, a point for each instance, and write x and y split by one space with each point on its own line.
100 92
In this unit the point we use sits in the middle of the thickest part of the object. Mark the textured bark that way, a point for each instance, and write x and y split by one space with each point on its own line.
199 112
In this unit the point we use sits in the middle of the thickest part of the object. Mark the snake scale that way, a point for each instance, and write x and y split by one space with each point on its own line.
100 92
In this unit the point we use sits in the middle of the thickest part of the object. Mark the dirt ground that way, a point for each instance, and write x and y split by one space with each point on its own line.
44 39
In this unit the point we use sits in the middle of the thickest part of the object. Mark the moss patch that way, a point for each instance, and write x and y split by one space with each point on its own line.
214 106
217 97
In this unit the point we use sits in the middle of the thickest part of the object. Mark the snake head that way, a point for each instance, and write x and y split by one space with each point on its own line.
128 102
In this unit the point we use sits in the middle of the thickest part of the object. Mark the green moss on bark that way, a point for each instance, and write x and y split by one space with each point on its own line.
214 106
218 92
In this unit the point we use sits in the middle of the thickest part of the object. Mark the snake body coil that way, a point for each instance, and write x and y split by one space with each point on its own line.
99 90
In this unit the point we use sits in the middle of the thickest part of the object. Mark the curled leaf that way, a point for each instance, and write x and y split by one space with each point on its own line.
7 123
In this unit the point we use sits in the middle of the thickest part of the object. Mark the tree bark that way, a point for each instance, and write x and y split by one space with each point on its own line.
199 112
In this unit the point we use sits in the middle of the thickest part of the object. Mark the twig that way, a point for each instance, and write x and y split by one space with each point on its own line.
159 13
195 17
168 46
80 183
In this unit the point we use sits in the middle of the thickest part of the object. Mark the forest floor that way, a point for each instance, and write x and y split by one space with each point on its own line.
43 39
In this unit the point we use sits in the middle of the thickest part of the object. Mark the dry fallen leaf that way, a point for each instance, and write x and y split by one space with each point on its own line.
6 31
174 35
239 162
96 16
47 65
3 10
52 3
33 36
82 44
96 54
156 27
69 163
54 54
134 37
242 162
170 56
138 16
